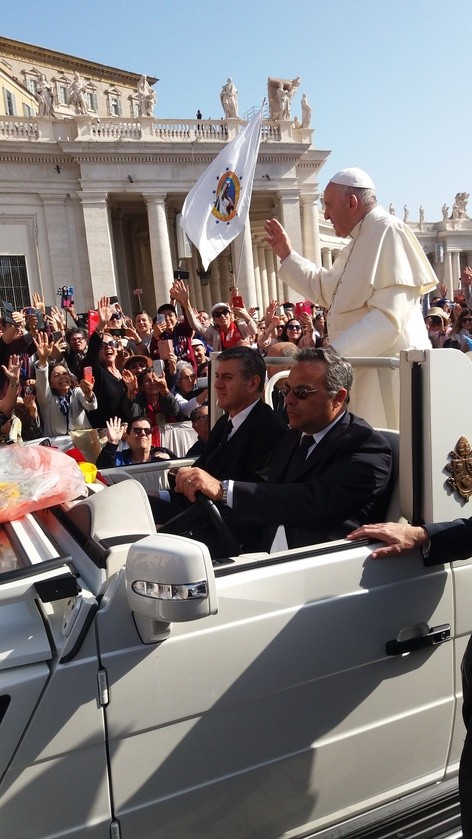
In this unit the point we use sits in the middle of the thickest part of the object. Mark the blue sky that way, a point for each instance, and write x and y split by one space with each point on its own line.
389 81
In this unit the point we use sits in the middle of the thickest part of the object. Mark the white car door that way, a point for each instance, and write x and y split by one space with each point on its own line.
283 712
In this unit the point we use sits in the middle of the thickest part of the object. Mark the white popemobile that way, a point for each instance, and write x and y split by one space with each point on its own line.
146 691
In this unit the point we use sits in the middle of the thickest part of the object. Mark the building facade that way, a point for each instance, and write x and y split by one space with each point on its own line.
91 190
92 199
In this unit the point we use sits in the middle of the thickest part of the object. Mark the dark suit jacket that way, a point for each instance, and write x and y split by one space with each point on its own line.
246 455
343 483
450 540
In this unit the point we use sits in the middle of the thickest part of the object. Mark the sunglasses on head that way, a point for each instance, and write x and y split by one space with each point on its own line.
300 392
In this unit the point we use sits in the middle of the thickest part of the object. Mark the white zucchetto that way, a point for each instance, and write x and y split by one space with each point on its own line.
353 177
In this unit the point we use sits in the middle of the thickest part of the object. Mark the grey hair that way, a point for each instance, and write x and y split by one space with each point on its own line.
338 371
181 366
366 197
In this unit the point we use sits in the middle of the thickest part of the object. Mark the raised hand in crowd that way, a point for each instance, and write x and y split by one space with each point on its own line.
466 276
38 302
105 312
86 386
29 398
58 348
12 370
44 349
131 383
115 430
57 319
307 339
180 292
172 364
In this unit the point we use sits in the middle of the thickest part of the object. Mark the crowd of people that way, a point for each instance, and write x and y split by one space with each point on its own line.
127 367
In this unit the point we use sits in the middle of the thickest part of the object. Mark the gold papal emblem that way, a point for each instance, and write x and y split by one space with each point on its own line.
461 468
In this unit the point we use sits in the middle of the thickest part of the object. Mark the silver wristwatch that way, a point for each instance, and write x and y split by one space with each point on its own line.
224 489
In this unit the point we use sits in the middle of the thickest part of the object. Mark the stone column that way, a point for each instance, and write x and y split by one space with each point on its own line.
456 269
328 259
127 299
257 274
225 279
243 266
215 288
206 293
62 270
263 275
99 243
448 269
271 273
289 201
197 288
163 272
310 230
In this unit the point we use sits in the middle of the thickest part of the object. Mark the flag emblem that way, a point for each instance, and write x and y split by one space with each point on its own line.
227 196
216 208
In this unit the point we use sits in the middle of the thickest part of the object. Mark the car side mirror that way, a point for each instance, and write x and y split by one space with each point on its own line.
169 579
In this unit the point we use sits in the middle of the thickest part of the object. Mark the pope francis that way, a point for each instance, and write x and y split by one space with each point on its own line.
371 293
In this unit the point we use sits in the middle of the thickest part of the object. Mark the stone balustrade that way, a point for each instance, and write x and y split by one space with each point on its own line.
148 129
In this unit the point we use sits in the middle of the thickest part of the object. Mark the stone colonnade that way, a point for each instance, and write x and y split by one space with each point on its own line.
144 254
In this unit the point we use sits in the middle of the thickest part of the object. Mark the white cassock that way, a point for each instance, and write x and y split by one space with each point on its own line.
373 296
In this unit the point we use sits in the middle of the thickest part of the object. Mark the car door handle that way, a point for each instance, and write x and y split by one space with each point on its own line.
434 636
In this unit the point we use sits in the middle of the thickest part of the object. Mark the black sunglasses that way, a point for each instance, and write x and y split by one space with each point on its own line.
300 392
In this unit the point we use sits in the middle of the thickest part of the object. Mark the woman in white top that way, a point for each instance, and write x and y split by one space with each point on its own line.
62 407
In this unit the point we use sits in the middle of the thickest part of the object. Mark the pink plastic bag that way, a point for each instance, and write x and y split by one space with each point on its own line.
34 477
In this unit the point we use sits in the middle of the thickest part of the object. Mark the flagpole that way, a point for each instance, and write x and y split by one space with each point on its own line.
243 232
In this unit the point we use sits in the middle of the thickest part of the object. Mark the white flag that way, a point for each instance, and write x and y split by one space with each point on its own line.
216 209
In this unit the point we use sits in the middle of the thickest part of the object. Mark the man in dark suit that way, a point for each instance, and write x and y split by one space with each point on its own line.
332 470
441 542
242 441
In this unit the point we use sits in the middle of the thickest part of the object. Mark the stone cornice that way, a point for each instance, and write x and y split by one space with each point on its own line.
61 61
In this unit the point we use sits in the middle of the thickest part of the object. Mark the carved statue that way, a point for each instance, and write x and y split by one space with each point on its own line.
284 102
76 95
445 212
460 205
281 93
229 100
45 97
421 211
391 209
306 112
146 97
406 213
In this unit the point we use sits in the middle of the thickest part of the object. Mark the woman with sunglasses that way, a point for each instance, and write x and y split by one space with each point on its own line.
299 331
462 329
154 401
109 386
